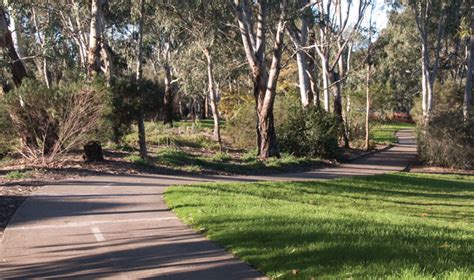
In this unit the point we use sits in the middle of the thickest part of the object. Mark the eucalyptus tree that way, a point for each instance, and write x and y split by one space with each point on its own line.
167 38
18 70
467 102
335 34
429 15
139 76
255 20
207 25
95 33
299 37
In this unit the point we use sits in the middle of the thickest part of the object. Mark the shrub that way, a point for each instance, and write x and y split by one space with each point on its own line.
136 159
309 132
52 121
17 174
241 126
126 96
8 139
447 140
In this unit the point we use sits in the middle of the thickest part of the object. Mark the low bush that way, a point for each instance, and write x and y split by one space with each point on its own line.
136 159
161 135
17 174
52 121
309 132
447 139
8 139
241 126
126 104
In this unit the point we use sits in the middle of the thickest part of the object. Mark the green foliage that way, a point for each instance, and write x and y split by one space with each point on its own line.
309 132
50 121
8 139
17 175
447 140
221 157
394 226
384 132
184 134
241 126
126 104
136 159
221 162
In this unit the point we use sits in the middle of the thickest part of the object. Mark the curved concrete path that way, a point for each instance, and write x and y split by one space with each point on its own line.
119 226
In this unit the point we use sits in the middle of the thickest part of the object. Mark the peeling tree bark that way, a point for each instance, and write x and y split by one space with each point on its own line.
141 117
470 63
299 37
93 58
264 79
17 67
213 97
168 98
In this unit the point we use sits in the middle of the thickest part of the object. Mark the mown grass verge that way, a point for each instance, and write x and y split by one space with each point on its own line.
384 132
224 163
394 226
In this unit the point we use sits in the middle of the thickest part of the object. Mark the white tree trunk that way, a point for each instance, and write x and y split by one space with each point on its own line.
299 40
367 110
213 97
470 61
325 78
16 31
141 118
93 61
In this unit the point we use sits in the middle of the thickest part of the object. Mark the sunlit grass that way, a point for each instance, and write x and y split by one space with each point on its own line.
400 226
384 133
223 162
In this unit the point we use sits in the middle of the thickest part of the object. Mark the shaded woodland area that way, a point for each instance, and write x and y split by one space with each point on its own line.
302 78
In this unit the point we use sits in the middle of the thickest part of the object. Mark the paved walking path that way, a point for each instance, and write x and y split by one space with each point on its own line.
119 226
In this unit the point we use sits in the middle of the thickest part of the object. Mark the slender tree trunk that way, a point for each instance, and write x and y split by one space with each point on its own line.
93 59
303 78
335 81
312 71
17 35
325 78
348 95
106 55
17 67
141 117
264 79
213 97
367 110
168 98
299 40
470 61
203 106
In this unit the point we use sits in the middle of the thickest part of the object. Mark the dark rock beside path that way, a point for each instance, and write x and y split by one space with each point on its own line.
93 152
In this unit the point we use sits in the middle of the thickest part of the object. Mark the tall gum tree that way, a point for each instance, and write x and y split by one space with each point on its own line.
467 103
333 39
139 76
299 37
254 22
203 21
18 70
429 14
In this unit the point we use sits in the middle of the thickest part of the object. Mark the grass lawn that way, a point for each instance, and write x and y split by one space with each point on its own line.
221 162
395 226
188 147
384 133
